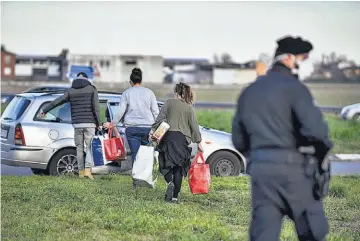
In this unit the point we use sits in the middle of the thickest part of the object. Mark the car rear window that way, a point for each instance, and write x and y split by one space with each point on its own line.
16 108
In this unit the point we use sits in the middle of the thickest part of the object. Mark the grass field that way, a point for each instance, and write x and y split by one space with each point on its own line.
66 208
108 208
345 134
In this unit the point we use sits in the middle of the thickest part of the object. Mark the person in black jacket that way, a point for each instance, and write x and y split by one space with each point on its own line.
85 116
275 117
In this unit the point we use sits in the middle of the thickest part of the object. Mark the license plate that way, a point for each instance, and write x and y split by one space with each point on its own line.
4 133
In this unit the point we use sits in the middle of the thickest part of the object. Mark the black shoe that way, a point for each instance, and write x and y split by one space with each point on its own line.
169 192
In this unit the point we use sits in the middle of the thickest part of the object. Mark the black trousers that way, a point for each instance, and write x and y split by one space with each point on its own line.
268 211
280 186
175 176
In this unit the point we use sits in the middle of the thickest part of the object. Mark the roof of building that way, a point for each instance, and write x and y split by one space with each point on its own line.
3 49
99 56
39 57
246 65
139 56
184 61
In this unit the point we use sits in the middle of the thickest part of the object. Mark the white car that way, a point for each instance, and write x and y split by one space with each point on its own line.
46 145
351 112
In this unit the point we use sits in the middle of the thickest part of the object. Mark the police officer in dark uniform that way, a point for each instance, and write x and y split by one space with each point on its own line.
275 117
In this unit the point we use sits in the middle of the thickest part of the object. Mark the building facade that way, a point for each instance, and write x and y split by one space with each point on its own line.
234 73
117 68
41 67
150 65
193 74
216 74
8 61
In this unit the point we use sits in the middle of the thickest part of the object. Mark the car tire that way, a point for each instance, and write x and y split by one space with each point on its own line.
37 171
356 117
225 163
63 162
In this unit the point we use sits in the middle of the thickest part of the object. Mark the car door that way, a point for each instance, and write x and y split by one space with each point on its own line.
55 126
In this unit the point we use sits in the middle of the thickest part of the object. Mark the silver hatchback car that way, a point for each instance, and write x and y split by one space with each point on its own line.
46 145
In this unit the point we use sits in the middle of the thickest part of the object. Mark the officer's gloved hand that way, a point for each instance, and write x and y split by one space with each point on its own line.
321 150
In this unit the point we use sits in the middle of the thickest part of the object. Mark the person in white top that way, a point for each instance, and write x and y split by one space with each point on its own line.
138 111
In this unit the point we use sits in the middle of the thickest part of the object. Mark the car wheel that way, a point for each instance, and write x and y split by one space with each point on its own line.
225 163
356 117
64 162
39 171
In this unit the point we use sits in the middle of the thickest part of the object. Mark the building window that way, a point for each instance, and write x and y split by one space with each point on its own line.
23 62
91 63
7 59
108 64
130 62
102 63
7 71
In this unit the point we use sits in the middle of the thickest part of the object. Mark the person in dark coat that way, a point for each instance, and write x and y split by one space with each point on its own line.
85 116
174 150
276 116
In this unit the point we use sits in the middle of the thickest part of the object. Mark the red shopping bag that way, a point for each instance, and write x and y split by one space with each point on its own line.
199 176
114 146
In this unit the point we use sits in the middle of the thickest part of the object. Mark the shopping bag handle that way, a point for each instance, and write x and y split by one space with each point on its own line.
117 134
198 156
111 130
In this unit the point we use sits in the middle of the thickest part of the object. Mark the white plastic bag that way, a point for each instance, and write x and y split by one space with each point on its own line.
142 171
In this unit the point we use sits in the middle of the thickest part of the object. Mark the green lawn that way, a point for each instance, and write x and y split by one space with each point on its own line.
66 208
345 134
3 107
335 94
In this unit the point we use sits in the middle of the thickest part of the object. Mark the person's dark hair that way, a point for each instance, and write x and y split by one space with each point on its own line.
136 76
185 92
82 74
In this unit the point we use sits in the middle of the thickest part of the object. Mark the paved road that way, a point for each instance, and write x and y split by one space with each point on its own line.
15 171
338 168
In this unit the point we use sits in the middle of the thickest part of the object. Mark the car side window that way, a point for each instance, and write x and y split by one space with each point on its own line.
60 114
114 107
103 107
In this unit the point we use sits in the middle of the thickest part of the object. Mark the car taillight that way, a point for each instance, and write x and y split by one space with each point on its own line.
19 136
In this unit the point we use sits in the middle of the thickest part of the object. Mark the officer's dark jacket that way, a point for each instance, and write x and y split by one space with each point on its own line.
84 102
277 111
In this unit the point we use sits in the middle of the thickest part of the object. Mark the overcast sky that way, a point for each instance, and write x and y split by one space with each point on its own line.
179 29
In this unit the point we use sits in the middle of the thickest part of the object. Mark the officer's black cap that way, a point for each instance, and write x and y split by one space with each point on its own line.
295 46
